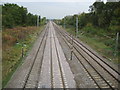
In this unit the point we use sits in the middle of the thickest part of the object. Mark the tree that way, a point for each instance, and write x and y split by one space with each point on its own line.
14 15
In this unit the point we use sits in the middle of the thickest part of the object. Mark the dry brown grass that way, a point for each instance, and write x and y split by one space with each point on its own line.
12 40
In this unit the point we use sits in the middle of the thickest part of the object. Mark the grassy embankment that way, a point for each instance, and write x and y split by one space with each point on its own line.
101 41
13 41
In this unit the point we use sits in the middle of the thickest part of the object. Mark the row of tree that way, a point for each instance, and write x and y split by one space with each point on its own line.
14 15
101 15
102 21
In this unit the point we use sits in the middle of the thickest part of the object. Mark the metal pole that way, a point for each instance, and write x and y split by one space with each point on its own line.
37 21
22 45
22 51
64 22
116 45
76 26
71 54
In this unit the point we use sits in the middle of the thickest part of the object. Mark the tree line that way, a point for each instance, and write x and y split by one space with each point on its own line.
14 15
102 23
101 15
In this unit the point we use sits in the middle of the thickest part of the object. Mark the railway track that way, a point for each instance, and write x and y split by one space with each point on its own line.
52 65
55 82
59 65
46 66
33 66
26 76
90 69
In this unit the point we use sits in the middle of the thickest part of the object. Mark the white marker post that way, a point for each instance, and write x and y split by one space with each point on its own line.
76 26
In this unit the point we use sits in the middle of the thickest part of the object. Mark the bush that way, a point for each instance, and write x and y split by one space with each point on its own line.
90 30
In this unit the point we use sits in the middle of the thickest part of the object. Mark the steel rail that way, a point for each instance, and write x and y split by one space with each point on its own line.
92 56
24 86
59 64
87 61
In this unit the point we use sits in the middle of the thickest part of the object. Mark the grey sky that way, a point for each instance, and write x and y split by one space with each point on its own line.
54 9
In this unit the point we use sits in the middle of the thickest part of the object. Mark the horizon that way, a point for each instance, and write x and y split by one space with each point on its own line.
55 10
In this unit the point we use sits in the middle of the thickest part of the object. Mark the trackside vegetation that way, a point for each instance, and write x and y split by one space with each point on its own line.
18 31
98 28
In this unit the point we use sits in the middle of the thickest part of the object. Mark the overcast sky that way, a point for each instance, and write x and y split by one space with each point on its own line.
54 9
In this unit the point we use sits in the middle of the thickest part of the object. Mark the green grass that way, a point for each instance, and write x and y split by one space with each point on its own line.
8 76
12 58
101 44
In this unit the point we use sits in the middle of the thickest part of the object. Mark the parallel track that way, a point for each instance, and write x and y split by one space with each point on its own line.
84 48
51 62
44 38
65 37
26 80
42 59
59 63
60 66
46 65
77 53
